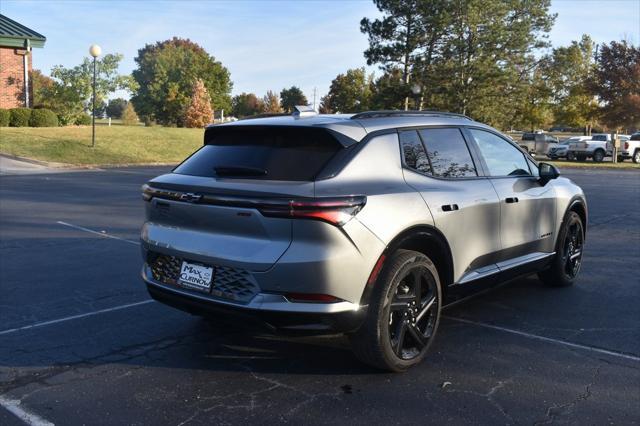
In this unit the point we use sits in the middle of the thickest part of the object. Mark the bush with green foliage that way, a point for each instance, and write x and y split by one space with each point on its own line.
43 118
83 120
5 116
19 117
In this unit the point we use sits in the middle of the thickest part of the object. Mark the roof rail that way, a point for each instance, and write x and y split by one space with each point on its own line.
266 115
410 113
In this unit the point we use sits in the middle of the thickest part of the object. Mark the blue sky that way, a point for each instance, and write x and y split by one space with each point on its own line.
264 44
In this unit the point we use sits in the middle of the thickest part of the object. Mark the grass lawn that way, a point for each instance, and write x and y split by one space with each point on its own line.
628 164
114 145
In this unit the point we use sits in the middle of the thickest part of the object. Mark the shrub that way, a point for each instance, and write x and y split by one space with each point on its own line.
43 118
129 116
83 120
5 116
19 117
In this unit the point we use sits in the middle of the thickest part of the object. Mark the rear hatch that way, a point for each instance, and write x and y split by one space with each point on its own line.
211 207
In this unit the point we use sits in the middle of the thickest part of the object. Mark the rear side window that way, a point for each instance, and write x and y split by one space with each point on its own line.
415 156
448 153
262 152
600 138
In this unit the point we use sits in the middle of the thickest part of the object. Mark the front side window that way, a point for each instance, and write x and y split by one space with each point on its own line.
415 157
502 158
448 153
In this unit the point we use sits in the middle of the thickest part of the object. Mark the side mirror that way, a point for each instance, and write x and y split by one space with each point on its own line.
547 172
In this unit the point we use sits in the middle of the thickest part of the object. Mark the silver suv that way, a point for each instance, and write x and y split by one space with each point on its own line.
364 224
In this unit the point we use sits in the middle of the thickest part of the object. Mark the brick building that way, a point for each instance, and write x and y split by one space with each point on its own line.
16 43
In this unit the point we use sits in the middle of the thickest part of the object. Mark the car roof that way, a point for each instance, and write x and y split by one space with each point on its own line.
357 126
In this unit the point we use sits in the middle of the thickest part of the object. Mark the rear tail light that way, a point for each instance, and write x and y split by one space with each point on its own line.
336 211
311 298
626 145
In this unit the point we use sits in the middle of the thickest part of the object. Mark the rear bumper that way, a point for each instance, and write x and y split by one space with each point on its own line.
272 310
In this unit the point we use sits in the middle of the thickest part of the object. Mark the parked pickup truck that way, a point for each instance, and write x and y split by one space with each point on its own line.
537 143
630 149
597 148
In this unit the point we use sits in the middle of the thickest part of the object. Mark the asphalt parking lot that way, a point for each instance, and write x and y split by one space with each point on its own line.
81 342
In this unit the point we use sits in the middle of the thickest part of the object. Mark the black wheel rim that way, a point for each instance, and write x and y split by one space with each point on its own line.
413 313
572 249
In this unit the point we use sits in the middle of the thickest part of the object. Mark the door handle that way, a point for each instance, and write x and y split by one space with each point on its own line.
511 200
449 207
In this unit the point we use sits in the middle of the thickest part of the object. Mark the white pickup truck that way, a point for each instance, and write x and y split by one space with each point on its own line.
630 149
598 147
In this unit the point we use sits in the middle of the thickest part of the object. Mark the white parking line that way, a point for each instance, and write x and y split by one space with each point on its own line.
88 314
13 406
546 339
102 234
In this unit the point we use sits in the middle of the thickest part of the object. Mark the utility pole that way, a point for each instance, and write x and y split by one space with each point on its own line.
315 91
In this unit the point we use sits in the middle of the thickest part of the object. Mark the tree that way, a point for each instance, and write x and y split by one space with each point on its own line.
70 95
199 113
349 92
389 91
116 107
129 116
394 40
166 72
488 56
568 69
291 97
40 84
271 103
616 82
246 104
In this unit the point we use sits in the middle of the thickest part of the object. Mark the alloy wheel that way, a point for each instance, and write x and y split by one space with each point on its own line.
412 313
573 245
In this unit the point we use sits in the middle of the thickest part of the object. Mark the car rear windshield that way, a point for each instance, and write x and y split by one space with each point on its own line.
635 137
262 152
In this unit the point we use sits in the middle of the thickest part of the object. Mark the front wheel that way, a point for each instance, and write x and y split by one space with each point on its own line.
566 264
403 314
598 156
636 156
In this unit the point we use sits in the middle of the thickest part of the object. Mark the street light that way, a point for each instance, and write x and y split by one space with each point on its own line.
94 51
416 89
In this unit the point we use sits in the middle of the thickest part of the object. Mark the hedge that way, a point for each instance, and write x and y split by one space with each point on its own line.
19 117
5 116
83 120
43 118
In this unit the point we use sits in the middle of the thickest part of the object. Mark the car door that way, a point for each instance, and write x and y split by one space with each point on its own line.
527 207
465 208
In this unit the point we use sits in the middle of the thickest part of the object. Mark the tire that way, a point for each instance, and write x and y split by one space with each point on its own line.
636 156
566 264
571 156
598 156
400 327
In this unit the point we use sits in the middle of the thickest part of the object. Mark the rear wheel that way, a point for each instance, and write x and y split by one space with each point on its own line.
566 264
598 156
571 156
636 156
403 313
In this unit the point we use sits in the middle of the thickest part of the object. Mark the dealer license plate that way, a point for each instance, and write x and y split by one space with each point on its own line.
196 277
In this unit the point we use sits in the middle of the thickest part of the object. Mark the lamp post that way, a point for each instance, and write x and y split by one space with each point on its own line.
95 51
416 89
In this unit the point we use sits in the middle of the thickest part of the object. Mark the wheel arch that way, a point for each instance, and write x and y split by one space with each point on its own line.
427 240
578 205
